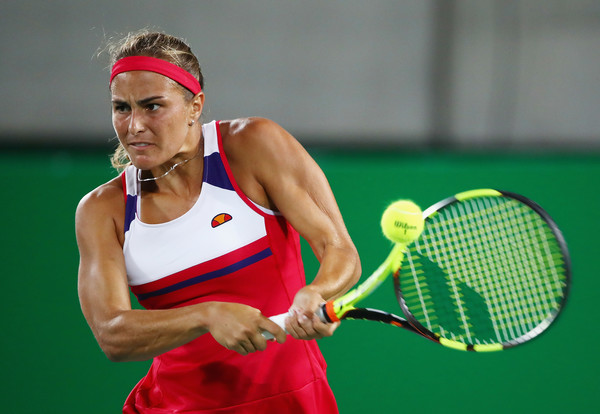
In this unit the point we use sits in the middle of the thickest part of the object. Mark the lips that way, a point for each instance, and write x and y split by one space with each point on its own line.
140 145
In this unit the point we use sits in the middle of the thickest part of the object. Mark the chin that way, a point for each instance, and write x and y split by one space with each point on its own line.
143 164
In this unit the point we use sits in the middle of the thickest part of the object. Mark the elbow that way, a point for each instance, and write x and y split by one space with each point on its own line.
112 350
124 353
114 355
112 342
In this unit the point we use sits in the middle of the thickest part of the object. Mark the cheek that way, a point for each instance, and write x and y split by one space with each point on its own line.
119 125
171 125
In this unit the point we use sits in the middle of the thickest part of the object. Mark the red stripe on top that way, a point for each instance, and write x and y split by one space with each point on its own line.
237 188
124 181
206 267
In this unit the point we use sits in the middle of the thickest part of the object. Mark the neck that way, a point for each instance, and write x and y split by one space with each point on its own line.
185 168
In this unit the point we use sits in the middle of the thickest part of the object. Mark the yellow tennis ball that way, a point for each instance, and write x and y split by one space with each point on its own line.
402 221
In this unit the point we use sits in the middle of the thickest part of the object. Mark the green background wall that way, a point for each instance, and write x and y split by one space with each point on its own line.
52 364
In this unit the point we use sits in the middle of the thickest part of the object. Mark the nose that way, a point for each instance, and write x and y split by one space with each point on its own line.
136 123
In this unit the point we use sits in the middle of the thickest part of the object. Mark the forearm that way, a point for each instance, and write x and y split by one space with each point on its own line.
339 270
134 335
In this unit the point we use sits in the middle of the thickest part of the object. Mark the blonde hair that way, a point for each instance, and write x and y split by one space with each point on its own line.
158 45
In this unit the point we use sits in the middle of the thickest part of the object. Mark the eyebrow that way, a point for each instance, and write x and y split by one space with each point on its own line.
141 102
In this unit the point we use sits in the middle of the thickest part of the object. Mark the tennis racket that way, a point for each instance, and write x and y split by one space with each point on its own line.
490 271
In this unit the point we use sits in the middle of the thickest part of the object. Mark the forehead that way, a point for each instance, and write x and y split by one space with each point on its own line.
139 82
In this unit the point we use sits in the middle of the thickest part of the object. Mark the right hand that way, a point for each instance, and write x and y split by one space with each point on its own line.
238 327
303 322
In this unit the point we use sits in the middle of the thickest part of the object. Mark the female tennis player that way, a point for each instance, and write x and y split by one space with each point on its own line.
203 226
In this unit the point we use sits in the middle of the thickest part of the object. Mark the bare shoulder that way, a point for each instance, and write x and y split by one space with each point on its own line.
100 205
260 153
108 194
256 136
249 126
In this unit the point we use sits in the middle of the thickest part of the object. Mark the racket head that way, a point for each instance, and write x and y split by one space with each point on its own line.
490 271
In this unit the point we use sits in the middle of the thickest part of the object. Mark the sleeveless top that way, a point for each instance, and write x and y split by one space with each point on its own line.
225 248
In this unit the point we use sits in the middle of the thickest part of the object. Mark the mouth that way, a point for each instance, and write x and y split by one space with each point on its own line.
140 145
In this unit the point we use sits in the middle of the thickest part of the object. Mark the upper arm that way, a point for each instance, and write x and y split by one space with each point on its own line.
102 278
273 168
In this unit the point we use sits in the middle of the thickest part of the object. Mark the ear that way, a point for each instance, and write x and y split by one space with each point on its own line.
197 106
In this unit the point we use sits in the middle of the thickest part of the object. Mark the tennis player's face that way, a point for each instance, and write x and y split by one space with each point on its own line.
151 118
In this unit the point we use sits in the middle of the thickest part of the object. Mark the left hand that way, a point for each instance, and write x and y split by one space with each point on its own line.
303 323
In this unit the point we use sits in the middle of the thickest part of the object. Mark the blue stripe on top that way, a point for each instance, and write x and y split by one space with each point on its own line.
130 208
210 275
215 173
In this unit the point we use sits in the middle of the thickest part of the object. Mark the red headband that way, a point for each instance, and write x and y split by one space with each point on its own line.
179 75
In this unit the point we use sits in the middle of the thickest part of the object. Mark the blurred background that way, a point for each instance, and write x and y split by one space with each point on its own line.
394 99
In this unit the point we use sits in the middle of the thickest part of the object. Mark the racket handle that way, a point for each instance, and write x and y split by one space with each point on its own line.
280 320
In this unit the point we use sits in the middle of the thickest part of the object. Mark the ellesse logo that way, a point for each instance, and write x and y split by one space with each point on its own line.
220 219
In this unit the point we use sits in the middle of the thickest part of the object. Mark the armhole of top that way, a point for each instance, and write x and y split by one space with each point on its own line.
263 211
132 201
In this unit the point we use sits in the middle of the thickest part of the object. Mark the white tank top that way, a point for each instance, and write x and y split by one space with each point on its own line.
220 221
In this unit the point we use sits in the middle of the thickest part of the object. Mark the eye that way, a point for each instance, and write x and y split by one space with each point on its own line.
119 107
152 107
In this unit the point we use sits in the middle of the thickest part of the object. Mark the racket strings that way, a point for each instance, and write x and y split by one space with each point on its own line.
515 288
498 272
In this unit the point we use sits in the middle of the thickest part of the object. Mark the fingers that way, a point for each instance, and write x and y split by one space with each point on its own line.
239 327
303 322
302 325
248 344
252 340
299 325
274 329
